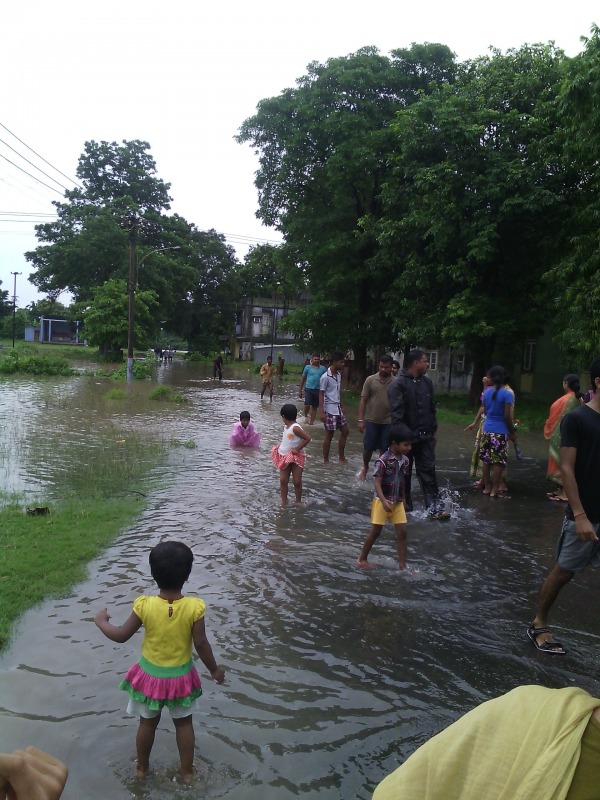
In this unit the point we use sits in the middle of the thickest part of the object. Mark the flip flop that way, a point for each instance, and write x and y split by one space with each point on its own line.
554 497
546 646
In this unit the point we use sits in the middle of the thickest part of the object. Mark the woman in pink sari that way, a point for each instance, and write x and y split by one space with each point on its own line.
571 398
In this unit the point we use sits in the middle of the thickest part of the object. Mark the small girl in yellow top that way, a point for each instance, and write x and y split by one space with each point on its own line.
289 457
165 675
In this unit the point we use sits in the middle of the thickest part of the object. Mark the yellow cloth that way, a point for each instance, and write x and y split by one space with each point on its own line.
168 638
522 746
267 371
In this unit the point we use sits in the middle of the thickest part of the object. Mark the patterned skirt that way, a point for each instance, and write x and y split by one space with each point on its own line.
289 458
158 687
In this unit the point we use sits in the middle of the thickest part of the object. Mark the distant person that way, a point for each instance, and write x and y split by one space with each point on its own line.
266 373
395 368
310 381
289 456
170 355
227 355
374 415
578 545
330 406
388 502
412 403
570 399
498 429
532 743
165 675
218 367
243 433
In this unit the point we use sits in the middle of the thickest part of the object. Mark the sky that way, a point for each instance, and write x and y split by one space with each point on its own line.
184 75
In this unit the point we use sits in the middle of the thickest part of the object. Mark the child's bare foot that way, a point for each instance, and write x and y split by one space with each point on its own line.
300 504
362 562
362 475
141 771
187 778
343 461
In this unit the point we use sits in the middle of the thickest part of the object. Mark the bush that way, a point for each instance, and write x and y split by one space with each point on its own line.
30 363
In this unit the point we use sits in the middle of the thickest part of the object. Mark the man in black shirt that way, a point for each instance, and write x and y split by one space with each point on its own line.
411 403
578 546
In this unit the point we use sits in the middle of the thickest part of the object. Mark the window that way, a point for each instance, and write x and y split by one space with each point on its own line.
529 356
432 358
256 319
460 362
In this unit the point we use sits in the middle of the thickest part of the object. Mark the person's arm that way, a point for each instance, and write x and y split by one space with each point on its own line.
117 633
302 382
480 413
301 434
583 527
31 774
395 392
379 492
205 652
362 407
321 405
508 419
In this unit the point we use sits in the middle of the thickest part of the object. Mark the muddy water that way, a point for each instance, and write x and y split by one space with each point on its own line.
334 675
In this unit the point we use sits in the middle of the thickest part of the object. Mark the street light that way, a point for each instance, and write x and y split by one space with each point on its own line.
133 271
14 274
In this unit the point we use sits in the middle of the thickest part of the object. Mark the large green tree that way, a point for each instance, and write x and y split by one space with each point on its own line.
474 204
324 149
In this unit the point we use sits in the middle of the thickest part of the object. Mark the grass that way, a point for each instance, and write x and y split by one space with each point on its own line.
45 556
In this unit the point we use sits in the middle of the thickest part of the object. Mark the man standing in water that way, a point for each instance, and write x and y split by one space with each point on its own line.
311 376
266 373
411 403
330 406
578 545
374 418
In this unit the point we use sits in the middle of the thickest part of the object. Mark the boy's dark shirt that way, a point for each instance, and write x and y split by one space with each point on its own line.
580 428
411 402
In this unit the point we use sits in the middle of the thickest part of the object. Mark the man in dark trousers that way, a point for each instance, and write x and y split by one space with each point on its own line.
411 403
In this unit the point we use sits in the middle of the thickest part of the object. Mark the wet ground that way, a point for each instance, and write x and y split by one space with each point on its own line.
334 675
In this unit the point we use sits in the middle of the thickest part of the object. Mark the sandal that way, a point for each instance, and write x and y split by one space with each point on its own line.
546 646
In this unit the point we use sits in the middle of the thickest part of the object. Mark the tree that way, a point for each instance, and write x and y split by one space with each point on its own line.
474 204
575 280
324 150
105 320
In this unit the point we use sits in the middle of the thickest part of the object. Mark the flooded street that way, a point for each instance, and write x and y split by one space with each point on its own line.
334 675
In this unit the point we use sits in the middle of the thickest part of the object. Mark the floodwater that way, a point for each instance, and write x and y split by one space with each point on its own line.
334 675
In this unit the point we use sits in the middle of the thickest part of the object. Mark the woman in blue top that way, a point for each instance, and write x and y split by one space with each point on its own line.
498 428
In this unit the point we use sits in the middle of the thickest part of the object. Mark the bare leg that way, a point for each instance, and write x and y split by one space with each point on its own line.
143 744
284 479
487 484
401 544
297 479
184 735
550 590
372 537
306 410
313 414
496 474
342 444
326 445
362 475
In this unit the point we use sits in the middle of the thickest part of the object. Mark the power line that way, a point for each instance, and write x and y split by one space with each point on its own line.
41 157
34 165
30 175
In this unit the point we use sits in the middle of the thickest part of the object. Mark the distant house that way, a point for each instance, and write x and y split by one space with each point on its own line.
257 329
54 330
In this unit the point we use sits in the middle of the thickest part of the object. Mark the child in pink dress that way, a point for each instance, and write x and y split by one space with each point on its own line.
165 675
289 456
243 433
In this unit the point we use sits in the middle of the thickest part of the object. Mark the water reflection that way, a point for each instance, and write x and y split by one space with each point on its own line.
334 674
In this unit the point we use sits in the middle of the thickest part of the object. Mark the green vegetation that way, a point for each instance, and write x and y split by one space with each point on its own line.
165 393
27 361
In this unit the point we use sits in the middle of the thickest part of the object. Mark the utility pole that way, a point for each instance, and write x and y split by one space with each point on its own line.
14 274
131 295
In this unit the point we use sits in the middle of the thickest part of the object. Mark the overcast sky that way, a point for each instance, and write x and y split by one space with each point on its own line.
183 76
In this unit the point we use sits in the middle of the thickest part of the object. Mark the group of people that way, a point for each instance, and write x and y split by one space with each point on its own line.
163 356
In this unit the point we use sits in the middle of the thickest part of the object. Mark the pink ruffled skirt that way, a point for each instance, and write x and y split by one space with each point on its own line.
289 458
164 690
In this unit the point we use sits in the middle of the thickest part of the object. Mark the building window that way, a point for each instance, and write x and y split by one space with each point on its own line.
529 356
460 362
256 320
432 358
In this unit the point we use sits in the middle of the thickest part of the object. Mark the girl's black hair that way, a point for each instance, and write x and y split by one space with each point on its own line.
289 412
171 564
573 383
244 415
497 375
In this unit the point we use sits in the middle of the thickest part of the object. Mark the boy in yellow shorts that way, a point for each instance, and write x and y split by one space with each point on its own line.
388 502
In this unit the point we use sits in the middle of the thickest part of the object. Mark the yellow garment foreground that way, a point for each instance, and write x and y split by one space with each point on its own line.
522 746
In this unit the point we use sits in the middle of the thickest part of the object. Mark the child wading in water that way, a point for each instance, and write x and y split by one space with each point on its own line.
388 502
243 433
165 675
289 457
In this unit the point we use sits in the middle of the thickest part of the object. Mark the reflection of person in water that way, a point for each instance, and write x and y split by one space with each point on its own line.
530 744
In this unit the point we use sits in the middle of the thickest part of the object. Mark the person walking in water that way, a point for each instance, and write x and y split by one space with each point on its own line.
390 470
266 373
578 545
374 417
165 675
218 367
330 406
411 402
311 375
289 456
